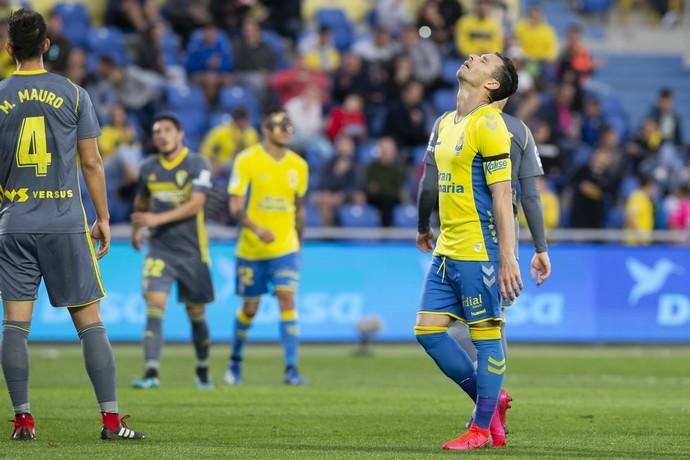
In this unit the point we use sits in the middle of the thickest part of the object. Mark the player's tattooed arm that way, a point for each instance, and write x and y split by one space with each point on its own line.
239 214
300 216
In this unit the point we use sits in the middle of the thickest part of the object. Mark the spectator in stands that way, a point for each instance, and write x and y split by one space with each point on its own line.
306 113
226 140
254 60
7 64
384 180
76 67
403 73
677 208
292 82
130 15
380 48
478 32
122 175
639 212
350 78
348 119
150 48
667 118
592 186
576 56
284 16
134 88
439 18
549 152
559 114
209 60
537 37
185 16
116 133
406 120
643 146
339 181
228 15
319 52
392 15
592 122
426 58
57 55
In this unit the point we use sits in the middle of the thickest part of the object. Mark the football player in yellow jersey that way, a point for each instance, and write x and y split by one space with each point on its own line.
266 190
474 264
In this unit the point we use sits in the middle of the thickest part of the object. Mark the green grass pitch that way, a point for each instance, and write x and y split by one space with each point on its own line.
569 402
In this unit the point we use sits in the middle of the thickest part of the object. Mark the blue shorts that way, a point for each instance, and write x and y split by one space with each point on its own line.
252 277
465 290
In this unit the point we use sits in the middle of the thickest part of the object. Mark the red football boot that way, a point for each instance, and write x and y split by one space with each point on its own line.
498 422
474 438
23 428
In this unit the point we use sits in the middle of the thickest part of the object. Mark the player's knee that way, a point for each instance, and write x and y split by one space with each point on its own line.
426 320
195 310
286 299
250 308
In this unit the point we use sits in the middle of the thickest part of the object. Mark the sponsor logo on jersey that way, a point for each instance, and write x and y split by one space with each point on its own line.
19 195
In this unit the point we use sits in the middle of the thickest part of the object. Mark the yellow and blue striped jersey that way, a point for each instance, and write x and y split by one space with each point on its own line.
272 187
471 154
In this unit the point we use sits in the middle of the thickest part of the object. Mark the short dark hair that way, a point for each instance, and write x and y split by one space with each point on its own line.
507 77
272 115
169 116
27 33
665 92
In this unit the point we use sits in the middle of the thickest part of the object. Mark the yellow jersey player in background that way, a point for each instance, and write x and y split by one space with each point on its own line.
267 189
474 263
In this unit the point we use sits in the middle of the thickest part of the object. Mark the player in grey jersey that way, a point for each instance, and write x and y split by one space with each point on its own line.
46 121
170 201
526 166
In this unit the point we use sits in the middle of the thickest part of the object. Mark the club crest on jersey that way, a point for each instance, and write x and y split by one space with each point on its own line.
181 178
152 177
292 178
459 144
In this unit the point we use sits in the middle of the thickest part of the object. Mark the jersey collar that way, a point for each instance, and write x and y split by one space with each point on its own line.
173 163
457 120
30 72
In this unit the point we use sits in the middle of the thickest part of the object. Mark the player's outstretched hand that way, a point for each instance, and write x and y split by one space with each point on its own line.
425 241
509 279
100 232
541 267
265 235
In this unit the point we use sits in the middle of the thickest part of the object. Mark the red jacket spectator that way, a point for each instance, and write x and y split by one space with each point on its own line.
348 119
292 82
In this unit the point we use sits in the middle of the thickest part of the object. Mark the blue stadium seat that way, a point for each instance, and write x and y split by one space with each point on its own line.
339 24
189 103
275 41
172 54
444 100
366 152
217 119
76 22
313 218
234 97
405 215
595 6
108 41
630 184
450 69
358 216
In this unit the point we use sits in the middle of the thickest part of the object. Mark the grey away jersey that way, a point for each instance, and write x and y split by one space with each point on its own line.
168 185
42 116
524 155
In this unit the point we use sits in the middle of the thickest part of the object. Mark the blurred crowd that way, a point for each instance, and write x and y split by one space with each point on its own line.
363 82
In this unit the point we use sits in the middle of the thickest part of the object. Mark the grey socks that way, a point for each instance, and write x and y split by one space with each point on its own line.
100 365
14 354
153 338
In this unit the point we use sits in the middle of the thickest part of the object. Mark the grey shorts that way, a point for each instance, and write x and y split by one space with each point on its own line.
193 276
66 262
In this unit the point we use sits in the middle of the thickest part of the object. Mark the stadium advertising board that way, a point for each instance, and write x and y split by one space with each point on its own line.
596 293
